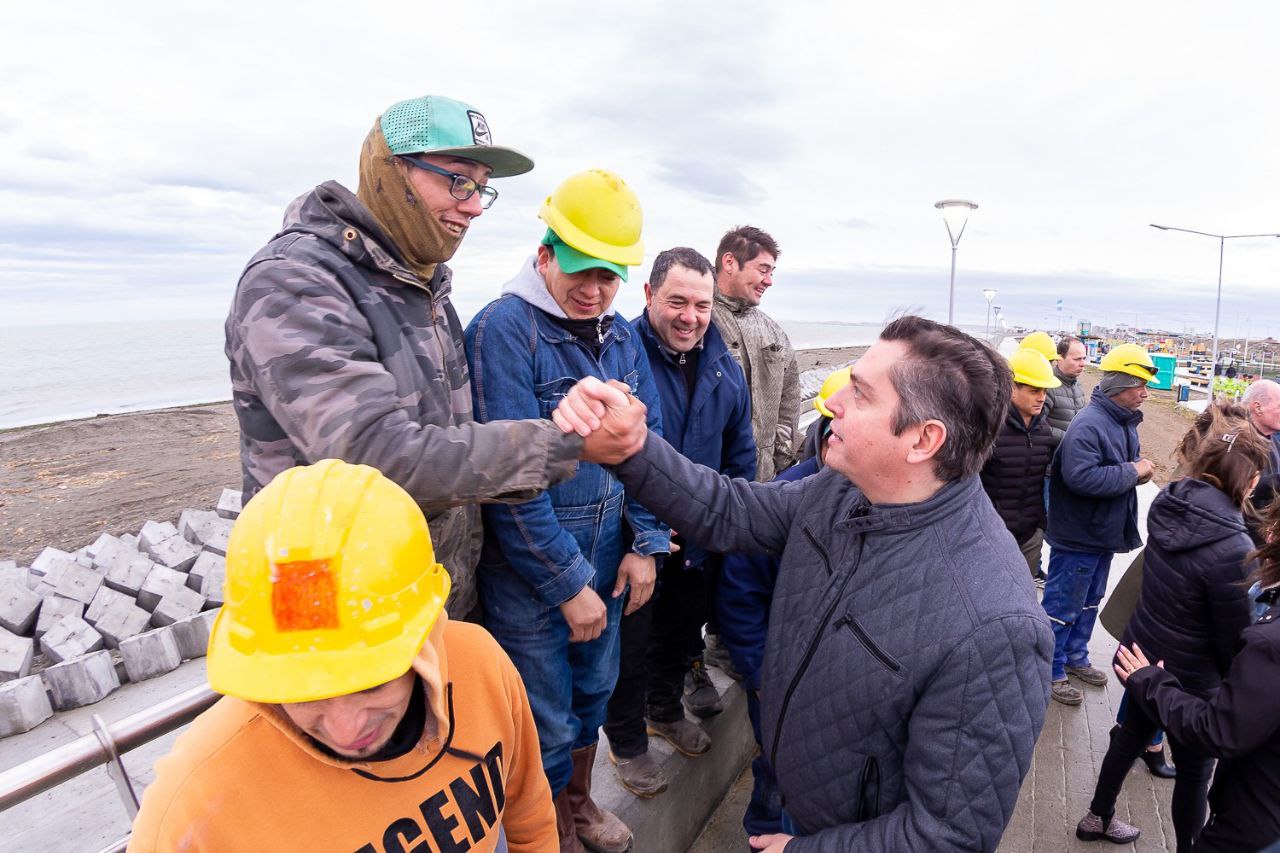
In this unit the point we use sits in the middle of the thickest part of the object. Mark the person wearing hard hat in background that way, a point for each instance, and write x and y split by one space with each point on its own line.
1013 477
553 570
1093 511
706 415
745 595
1041 343
355 715
344 344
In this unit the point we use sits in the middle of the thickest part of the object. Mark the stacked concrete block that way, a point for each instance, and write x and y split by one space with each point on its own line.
121 622
52 610
130 540
50 560
77 583
163 543
159 583
70 638
151 654
82 681
229 504
11 571
176 605
153 532
18 606
8 564
192 634
205 529
105 599
16 654
127 573
208 577
23 705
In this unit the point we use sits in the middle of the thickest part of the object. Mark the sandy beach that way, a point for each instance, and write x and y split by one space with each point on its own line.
63 484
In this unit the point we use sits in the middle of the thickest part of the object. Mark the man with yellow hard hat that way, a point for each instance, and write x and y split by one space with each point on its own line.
553 571
356 715
1093 511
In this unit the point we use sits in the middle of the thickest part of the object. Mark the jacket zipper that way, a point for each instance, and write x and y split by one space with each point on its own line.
813 645
876 652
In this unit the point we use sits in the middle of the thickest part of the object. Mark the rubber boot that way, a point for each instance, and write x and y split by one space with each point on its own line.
565 829
598 830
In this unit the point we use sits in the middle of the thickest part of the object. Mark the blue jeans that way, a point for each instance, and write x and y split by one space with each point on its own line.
764 810
569 684
1077 582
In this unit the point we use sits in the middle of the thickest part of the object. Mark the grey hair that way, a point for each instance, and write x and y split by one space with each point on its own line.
682 256
1260 391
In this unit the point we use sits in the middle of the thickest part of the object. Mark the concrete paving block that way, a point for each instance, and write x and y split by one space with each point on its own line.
177 604
23 705
109 549
104 598
193 632
173 553
8 564
83 557
127 573
49 560
43 590
130 540
191 520
78 583
159 583
154 532
16 654
80 682
230 503
150 654
12 571
205 529
18 606
98 544
52 609
70 638
212 578
121 622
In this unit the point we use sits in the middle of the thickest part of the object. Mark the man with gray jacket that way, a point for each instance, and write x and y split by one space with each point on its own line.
1063 403
906 668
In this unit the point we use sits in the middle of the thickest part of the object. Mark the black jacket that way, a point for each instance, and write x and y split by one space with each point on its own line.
1194 601
1240 726
1014 475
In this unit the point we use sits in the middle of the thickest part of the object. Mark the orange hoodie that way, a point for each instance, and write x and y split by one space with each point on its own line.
243 777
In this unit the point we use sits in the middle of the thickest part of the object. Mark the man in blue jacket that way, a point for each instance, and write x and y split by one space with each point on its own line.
1093 511
706 415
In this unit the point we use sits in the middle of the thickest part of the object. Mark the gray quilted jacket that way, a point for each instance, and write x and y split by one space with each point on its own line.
338 350
1061 404
906 671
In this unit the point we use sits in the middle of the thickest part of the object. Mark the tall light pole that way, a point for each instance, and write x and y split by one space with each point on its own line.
990 293
955 213
1217 308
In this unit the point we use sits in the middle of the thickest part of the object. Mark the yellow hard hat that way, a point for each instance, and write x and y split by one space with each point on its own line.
1041 343
332 587
1030 367
1131 359
597 213
833 383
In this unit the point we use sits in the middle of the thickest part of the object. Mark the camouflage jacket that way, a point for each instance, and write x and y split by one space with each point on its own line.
338 351
764 352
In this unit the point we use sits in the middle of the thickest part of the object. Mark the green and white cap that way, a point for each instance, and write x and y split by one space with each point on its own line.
436 125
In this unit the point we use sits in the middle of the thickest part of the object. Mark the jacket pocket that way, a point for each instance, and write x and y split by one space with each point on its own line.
550 393
886 660
869 791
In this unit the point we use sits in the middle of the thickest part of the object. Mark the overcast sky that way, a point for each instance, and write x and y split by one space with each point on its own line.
148 149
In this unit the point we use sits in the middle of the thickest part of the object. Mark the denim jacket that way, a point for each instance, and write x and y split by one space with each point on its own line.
522 364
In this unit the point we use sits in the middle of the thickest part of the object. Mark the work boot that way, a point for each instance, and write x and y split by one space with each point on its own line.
599 831
686 737
640 775
1088 674
700 695
1156 765
569 842
1113 829
1063 692
715 654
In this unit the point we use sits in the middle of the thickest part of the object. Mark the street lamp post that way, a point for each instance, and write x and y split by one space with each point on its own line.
955 213
1217 307
990 293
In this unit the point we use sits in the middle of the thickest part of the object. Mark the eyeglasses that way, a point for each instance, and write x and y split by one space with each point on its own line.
462 187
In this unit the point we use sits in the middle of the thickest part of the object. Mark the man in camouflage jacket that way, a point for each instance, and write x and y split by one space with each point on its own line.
343 342
745 262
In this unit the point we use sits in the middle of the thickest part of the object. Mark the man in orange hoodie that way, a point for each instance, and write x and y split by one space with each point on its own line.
356 715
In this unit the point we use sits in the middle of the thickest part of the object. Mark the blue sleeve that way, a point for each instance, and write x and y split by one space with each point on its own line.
742 603
739 456
651 536
502 384
1085 470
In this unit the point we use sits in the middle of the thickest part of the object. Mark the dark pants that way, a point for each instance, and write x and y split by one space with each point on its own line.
1190 787
659 642
764 810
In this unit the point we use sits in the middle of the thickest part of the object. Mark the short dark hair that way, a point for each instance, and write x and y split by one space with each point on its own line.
744 243
1065 344
682 256
951 377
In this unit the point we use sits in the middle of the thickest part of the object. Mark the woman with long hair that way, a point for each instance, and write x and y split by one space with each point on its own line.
1240 725
1192 606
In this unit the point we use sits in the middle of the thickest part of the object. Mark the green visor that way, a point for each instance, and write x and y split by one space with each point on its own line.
571 260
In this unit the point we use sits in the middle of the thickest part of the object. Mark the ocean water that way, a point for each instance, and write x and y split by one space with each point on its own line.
56 373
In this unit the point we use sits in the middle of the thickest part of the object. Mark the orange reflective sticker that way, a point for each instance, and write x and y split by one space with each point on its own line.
303 597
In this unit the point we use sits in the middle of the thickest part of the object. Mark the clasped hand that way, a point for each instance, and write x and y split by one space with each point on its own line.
610 420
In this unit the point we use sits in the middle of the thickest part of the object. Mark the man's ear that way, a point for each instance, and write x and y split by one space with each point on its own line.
728 262
545 254
929 438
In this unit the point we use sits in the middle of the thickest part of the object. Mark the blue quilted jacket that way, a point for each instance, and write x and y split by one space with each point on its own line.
906 672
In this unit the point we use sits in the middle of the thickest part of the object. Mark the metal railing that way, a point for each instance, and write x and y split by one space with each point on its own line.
105 745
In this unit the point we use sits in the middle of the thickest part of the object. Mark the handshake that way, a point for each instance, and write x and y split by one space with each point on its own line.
610 420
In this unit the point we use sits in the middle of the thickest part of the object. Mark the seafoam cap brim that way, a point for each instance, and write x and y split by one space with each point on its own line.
434 124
